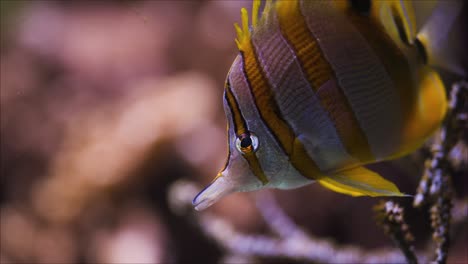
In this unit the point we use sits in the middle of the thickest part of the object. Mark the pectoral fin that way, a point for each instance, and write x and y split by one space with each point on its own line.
359 182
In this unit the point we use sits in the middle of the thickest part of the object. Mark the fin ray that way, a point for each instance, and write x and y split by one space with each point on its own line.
359 181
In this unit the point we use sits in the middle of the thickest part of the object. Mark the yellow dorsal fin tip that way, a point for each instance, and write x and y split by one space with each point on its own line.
245 22
255 7
238 31
238 44
243 31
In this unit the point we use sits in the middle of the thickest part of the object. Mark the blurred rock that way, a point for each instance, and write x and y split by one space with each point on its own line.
18 232
102 42
138 238
205 148
215 19
27 241
55 245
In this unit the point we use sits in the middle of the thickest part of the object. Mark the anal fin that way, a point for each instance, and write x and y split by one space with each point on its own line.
359 182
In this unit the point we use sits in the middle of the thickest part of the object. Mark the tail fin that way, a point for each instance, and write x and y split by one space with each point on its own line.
445 37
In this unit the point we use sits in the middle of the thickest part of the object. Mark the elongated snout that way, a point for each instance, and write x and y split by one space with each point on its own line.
219 188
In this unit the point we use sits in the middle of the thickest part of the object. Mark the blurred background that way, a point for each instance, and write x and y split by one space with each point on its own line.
106 104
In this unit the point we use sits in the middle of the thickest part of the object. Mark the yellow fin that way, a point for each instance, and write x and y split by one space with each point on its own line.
404 14
427 117
398 19
244 33
359 182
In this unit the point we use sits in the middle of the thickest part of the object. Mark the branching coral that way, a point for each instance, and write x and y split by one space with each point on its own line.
288 241
435 187
390 216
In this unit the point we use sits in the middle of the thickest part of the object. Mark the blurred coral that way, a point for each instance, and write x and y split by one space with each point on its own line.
390 215
101 148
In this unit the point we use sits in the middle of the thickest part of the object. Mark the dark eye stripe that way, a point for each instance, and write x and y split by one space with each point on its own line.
226 164
240 128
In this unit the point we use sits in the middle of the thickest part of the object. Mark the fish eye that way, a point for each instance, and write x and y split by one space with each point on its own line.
247 143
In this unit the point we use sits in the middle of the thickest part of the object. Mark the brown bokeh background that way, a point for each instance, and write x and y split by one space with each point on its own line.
105 104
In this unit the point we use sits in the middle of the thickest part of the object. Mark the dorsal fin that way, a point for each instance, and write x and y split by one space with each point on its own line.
244 32
444 37
398 19
403 12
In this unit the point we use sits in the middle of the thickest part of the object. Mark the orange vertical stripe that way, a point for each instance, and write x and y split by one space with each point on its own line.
295 30
318 71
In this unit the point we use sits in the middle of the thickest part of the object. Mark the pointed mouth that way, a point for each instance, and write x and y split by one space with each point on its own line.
219 188
201 203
